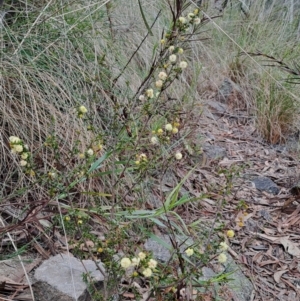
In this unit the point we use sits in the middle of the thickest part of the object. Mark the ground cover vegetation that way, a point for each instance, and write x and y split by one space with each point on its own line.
100 109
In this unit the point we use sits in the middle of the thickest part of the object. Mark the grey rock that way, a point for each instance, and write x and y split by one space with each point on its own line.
225 90
265 214
217 106
214 151
240 286
266 184
163 253
61 278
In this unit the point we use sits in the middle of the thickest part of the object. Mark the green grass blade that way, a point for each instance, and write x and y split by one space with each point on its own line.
144 19
98 162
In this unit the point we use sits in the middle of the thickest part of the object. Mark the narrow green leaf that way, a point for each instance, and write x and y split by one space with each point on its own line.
173 196
98 162
182 222
94 193
144 18
157 222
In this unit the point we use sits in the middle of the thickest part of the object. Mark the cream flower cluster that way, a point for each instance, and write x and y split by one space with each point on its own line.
173 57
96 147
191 19
17 147
164 135
189 252
141 158
140 262
81 111
149 93
223 247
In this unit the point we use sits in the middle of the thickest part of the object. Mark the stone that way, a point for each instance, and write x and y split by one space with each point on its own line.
161 252
214 151
239 285
61 278
217 106
265 184
224 91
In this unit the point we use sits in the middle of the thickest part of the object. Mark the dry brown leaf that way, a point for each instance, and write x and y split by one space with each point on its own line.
278 275
88 245
227 163
289 246
129 295
263 263
41 250
266 237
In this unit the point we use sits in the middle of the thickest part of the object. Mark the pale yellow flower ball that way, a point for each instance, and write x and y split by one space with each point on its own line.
190 16
223 246
147 272
180 51
149 93
23 163
172 58
143 157
162 75
222 258
24 156
154 140
182 20
98 147
169 127
160 131
31 173
158 83
178 156
90 152
197 21
152 264
141 97
162 41
14 139
142 255
52 175
125 263
230 233
183 65
135 261
82 109
18 148
171 48
81 156
175 130
189 252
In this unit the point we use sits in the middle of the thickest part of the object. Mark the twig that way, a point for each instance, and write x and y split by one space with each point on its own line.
23 267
